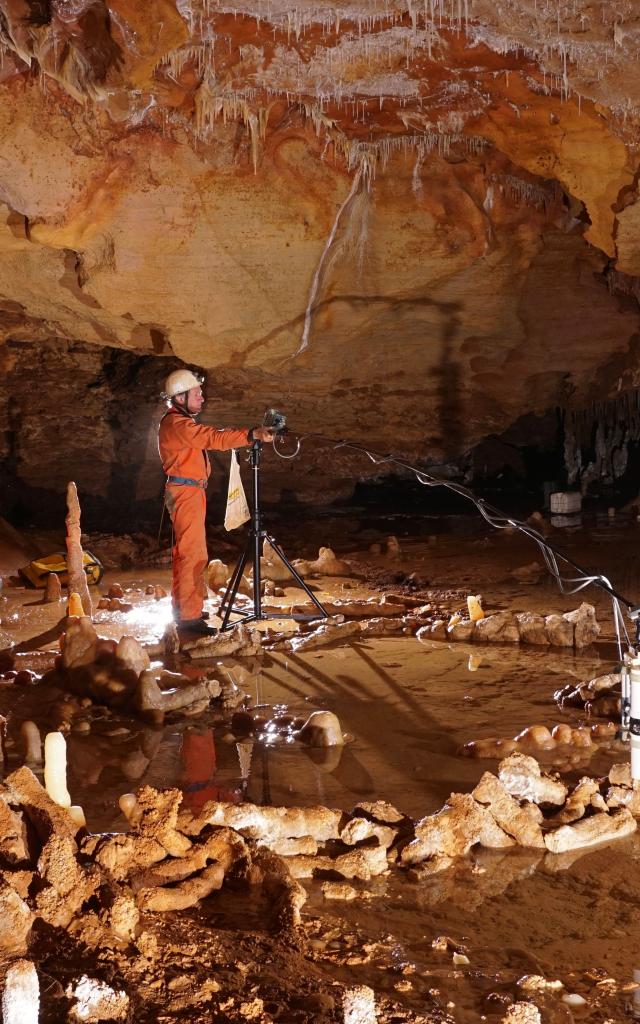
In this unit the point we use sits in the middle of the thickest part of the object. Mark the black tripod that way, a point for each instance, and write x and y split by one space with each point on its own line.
251 554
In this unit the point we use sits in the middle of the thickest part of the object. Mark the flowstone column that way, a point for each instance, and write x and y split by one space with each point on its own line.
75 570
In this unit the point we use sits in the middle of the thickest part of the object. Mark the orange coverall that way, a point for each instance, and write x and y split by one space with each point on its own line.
183 446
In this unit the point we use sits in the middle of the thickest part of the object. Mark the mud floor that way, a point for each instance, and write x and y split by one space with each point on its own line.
458 945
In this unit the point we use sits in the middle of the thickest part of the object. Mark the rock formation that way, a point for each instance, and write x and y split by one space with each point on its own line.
420 220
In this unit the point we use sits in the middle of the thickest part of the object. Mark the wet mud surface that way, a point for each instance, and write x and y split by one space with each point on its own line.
454 946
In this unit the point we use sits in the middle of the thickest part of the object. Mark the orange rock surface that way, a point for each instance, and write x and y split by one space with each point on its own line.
399 226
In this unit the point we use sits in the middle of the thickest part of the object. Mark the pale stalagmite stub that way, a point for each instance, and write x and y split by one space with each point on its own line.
21 995
359 1006
52 590
75 570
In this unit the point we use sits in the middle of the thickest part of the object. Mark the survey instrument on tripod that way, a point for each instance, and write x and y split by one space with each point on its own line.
253 550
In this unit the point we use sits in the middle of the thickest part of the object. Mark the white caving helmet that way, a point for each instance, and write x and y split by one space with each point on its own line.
180 381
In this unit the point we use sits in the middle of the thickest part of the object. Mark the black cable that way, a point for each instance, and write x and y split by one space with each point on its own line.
495 517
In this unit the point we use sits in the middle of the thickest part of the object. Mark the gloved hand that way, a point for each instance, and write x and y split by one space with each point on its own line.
263 434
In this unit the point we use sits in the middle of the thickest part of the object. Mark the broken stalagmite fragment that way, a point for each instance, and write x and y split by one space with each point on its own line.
96 1001
559 631
268 823
132 655
16 919
499 628
523 779
32 742
45 814
168 691
586 794
600 828
52 590
322 729
79 644
21 996
77 578
75 607
585 626
128 804
183 894
359 1005
217 574
452 831
532 628
326 564
507 812
55 768
476 611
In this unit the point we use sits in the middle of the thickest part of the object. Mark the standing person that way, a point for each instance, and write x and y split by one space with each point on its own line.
183 444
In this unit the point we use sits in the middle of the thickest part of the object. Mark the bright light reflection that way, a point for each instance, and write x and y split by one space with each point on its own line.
155 616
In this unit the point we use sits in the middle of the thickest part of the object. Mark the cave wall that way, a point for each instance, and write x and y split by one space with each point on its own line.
406 233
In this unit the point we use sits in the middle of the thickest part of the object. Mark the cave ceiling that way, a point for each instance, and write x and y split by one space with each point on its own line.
413 222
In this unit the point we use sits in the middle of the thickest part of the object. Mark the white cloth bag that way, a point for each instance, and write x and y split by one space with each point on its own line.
237 511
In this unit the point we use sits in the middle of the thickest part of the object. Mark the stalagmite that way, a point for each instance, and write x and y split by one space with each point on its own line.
21 996
96 1001
522 1013
128 804
507 812
523 779
52 590
600 828
476 611
55 768
32 742
322 729
217 574
183 894
75 570
75 607
16 921
359 1005
267 823
44 813
132 655
78 815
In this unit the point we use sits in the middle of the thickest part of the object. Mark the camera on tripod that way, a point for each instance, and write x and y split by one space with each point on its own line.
252 555
276 421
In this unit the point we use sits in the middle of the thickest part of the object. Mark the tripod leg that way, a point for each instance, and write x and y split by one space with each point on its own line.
226 605
257 578
296 575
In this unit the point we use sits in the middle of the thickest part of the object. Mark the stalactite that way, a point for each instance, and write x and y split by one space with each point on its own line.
200 55
597 439
531 193
622 284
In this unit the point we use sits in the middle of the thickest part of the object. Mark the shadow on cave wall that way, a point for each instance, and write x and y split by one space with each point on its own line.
448 373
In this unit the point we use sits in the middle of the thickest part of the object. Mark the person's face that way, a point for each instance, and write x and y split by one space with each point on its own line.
194 400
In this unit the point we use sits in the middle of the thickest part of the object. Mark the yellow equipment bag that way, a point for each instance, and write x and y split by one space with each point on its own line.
36 572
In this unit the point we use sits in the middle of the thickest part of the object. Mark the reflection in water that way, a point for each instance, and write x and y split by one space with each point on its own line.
406 708
199 777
